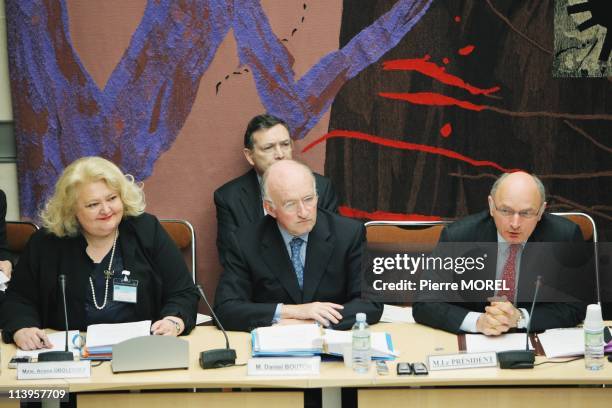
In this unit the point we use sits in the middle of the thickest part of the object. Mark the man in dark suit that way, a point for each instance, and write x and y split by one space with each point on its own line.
515 217
5 255
297 264
6 266
239 201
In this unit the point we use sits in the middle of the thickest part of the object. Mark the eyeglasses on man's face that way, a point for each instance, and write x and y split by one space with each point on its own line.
292 206
510 213
271 148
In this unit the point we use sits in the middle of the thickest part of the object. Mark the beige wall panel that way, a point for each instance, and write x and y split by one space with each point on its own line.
491 397
193 400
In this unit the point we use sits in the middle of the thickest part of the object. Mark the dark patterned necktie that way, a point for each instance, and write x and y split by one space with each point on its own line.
509 273
298 268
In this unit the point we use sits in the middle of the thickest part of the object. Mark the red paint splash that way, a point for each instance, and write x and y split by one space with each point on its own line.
467 50
445 60
432 70
431 98
446 130
384 216
457 19
398 144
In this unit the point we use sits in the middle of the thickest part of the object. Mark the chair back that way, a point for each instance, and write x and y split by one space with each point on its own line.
183 235
589 232
18 234
421 235
584 221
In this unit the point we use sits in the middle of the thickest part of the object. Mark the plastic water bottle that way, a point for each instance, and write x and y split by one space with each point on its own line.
361 344
593 338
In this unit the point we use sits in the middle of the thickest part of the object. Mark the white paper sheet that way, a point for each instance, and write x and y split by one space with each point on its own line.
202 318
99 335
397 314
562 342
476 343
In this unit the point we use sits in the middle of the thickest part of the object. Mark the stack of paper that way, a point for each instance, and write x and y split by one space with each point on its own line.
290 340
562 342
381 345
102 337
309 340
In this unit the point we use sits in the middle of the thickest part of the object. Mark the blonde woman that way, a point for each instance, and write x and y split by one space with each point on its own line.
120 264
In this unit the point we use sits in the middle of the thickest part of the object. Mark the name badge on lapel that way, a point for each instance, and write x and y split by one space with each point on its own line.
125 289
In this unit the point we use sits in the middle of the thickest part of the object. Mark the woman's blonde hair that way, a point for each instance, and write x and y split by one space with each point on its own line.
59 214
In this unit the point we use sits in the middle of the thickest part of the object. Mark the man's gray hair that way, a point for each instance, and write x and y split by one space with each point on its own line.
538 182
264 182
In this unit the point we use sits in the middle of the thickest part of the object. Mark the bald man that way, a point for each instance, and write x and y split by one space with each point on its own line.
516 216
298 264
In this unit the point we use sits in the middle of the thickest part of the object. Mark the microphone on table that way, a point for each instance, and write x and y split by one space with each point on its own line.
521 358
60 355
216 358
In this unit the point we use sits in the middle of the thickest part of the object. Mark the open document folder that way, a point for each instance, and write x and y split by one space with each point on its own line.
310 340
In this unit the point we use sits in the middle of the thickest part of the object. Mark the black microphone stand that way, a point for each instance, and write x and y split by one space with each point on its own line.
60 355
521 358
217 358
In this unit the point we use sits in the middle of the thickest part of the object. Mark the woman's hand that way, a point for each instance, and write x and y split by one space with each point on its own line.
31 338
168 326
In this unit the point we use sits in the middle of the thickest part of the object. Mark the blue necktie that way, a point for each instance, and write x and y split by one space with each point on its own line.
298 268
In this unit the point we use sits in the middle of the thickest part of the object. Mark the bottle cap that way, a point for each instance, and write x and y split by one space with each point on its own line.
361 317
593 314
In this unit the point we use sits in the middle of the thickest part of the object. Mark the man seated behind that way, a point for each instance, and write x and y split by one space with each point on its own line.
298 264
516 216
239 201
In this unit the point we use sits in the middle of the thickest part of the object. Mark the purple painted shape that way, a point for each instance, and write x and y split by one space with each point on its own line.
62 115
270 62
142 108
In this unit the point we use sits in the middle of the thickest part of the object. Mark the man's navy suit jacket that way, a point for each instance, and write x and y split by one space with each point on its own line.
480 228
259 275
